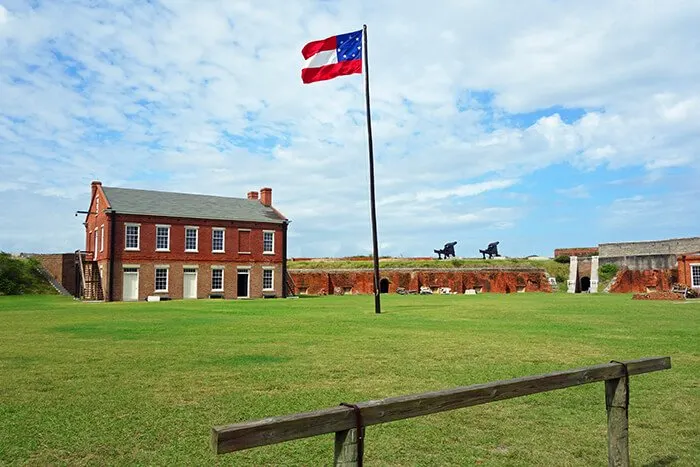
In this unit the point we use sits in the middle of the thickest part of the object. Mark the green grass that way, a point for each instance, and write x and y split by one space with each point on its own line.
552 267
143 383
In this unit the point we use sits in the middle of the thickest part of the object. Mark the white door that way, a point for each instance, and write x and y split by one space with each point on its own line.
131 284
190 283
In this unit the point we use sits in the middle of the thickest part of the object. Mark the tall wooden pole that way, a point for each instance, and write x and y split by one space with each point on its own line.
365 63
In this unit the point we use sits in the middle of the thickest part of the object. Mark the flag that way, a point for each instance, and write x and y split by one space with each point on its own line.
332 57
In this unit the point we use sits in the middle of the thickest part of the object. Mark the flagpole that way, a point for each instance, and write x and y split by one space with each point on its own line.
375 256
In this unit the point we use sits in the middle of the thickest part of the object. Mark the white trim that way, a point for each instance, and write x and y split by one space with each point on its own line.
138 236
167 277
272 270
138 280
693 285
163 226
102 238
188 266
223 273
196 238
243 270
268 252
223 239
244 230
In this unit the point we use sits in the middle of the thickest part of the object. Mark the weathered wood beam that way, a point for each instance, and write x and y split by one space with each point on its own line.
274 430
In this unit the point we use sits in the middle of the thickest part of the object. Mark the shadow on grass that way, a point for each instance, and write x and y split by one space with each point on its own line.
662 461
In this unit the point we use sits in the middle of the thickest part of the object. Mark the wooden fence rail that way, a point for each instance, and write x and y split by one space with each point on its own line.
341 420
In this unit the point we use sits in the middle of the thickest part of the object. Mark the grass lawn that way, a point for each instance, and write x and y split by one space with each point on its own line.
143 383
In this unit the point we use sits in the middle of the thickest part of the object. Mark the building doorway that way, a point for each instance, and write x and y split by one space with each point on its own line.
384 285
131 284
189 283
585 284
243 284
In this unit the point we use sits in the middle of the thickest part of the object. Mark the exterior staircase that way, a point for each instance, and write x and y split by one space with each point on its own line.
291 286
90 281
54 283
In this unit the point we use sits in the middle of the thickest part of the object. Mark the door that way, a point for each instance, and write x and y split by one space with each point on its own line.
131 284
190 283
243 277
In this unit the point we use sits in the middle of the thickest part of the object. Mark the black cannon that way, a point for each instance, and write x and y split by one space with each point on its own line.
491 250
448 250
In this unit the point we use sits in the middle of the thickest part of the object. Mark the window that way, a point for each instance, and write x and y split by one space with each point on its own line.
162 238
244 241
161 279
268 242
217 240
268 279
102 238
97 202
695 275
191 239
132 236
217 280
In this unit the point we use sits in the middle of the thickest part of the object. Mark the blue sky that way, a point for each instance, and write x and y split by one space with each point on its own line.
538 124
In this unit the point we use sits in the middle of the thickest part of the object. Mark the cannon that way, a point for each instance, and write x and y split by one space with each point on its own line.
491 250
448 250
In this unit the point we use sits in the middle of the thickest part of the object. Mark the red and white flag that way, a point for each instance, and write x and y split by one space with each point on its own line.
332 57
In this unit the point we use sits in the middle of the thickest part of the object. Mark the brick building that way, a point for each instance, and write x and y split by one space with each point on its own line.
143 243
689 270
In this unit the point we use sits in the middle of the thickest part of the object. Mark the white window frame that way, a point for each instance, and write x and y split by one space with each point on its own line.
269 252
126 236
167 227
167 277
272 271
102 237
196 238
97 205
693 284
223 272
94 253
223 239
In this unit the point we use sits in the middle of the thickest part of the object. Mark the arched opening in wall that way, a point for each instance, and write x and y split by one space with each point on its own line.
585 284
384 285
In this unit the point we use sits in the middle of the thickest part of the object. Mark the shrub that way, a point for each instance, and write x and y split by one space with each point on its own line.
562 259
19 276
606 272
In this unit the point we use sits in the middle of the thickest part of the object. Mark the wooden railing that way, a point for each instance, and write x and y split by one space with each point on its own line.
342 420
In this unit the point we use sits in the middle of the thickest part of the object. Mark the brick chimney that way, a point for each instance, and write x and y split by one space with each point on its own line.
266 196
94 187
252 195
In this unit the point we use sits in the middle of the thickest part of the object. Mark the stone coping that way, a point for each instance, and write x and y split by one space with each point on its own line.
424 269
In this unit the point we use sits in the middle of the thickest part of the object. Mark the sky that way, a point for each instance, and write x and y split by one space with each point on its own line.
538 124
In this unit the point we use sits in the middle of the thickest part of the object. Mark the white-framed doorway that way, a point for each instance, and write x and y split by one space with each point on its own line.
130 284
189 283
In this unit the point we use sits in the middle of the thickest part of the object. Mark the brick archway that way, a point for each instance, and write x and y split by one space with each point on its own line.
384 285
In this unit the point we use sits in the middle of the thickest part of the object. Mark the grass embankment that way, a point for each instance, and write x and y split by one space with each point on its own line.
554 268
143 383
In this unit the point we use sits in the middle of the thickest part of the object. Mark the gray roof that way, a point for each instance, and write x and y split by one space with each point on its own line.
161 203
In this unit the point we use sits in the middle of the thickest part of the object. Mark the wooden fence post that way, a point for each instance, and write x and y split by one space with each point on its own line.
616 404
347 452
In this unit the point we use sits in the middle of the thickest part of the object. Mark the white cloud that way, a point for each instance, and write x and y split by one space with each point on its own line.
206 97
578 191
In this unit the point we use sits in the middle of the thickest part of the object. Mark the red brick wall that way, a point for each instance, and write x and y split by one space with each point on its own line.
684 262
582 251
628 281
176 278
94 225
62 267
315 282
147 241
